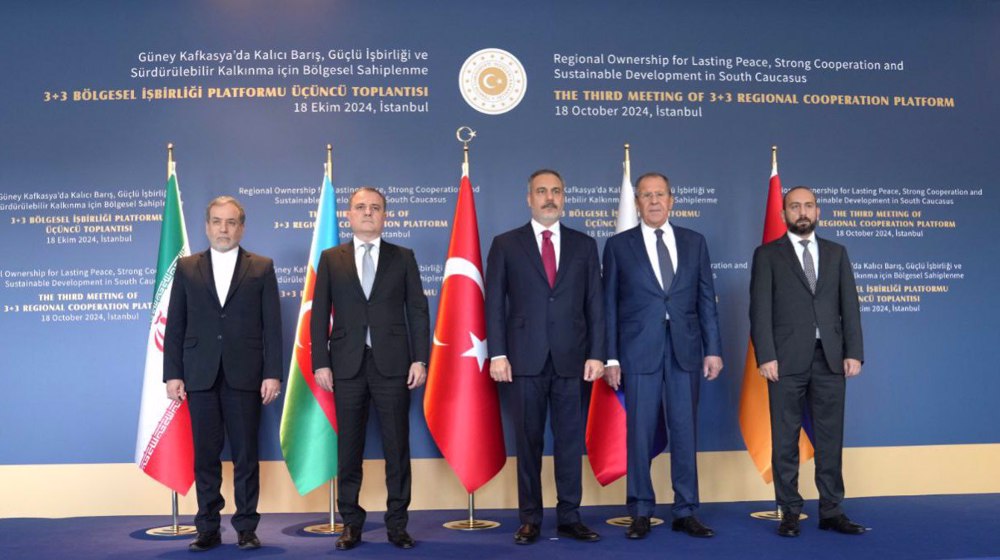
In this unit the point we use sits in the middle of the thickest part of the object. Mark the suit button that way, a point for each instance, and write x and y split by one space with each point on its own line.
552 299
223 316
220 337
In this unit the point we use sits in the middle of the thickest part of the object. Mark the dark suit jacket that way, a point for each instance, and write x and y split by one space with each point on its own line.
396 312
244 335
637 307
526 319
784 313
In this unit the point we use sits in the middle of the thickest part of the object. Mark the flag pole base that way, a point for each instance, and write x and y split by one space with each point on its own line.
172 531
325 529
773 515
627 520
471 525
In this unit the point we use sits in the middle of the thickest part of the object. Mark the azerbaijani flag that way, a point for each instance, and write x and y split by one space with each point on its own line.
309 421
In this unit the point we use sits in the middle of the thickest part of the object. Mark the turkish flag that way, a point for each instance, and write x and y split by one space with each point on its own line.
461 404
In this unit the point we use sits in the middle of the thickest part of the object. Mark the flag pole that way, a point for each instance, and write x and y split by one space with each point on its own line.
175 529
626 520
331 528
774 514
465 135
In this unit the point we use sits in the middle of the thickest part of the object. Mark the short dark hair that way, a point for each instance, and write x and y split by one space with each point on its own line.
650 175
225 199
546 172
784 199
350 201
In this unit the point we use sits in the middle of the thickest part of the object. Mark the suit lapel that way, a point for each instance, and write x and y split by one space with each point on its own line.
827 266
346 256
786 249
638 245
205 267
386 254
242 266
526 237
567 251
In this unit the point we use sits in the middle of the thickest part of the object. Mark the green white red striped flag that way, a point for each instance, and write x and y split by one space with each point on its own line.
164 448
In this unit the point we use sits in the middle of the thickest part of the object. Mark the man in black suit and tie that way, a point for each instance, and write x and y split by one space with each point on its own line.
805 322
376 351
222 352
545 330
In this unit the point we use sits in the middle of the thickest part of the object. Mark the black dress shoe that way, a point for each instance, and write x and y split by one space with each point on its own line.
638 529
789 526
526 534
248 540
349 539
692 527
205 541
577 531
841 524
402 539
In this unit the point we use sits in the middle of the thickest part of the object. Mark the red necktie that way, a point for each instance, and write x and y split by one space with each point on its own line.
549 257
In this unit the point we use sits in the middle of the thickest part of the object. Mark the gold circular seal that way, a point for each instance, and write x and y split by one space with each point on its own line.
492 81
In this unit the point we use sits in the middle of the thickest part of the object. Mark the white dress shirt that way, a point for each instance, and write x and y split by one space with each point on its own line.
223 268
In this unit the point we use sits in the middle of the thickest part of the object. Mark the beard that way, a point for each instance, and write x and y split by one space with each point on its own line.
804 226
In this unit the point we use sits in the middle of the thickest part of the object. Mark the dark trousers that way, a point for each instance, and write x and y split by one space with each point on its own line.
391 398
670 393
533 397
822 391
215 414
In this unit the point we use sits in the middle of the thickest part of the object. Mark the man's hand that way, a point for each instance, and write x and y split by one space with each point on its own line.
711 367
500 370
175 390
593 370
269 391
770 370
417 377
613 376
852 367
324 378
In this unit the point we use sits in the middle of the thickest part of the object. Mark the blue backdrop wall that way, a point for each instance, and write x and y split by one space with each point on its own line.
886 108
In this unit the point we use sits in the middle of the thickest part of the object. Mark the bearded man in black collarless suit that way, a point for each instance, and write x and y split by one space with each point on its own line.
222 352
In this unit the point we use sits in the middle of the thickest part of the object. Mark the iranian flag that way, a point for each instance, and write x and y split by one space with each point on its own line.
164 449
309 421
461 404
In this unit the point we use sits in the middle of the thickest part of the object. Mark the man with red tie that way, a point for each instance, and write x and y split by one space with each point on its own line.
545 330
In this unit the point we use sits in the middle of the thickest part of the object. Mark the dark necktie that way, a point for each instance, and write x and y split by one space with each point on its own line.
549 257
666 263
808 265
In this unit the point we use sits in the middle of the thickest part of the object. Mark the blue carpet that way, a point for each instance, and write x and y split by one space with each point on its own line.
920 527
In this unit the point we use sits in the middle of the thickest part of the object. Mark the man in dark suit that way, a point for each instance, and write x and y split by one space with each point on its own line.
545 330
663 331
375 351
805 321
222 352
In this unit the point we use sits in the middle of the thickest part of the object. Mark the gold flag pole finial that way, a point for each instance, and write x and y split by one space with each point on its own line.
465 135
170 158
774 156
628 163
329 162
